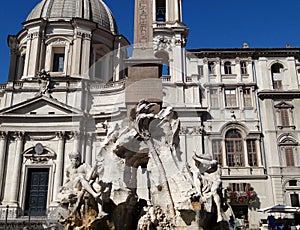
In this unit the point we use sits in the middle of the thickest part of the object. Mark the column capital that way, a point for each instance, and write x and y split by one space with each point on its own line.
75 134
61 135
90 137
3 135
18 135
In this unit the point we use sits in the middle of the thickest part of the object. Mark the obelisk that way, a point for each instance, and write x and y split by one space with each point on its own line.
144 69
143 30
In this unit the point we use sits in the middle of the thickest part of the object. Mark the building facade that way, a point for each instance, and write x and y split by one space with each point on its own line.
67 86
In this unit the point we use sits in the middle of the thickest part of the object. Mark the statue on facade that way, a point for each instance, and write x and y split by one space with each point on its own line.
44 82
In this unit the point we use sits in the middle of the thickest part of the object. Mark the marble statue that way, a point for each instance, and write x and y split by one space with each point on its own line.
139 180
76 178
207 182
82 191
44 82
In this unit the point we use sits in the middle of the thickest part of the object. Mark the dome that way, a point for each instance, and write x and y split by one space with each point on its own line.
92 10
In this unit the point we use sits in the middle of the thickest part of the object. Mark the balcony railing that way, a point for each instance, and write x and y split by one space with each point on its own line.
110 85
166 78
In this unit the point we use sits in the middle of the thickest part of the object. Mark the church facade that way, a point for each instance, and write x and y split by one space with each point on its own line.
67 87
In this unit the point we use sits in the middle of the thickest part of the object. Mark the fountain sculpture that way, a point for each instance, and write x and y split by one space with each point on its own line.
139 180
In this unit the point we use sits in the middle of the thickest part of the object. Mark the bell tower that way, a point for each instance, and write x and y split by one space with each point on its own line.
167 11
169 38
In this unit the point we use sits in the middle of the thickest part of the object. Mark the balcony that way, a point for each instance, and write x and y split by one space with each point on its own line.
119 85
243 173
166 78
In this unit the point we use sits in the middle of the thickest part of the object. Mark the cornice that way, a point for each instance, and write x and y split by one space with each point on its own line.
272 94
246 52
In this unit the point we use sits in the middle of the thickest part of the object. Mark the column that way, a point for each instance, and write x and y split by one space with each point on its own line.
15 177
241 98
76 54
76 141
218 70
258 153
89 142
3 141
245 153
205 70
58 178
117 57
34 53
224 154
85 54
238 70
27 55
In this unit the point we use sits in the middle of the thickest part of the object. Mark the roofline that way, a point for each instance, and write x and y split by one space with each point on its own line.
253 52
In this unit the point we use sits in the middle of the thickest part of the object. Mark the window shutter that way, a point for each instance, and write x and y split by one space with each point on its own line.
289 156
284 113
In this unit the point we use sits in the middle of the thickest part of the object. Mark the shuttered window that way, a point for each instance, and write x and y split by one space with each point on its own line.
284 116
252 154
247 97
289 156
214 98
230 98
217 150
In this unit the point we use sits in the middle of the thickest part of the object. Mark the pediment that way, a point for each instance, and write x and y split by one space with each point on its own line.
283 105
40 105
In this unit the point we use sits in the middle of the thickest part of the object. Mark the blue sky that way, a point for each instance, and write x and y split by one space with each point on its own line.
213 24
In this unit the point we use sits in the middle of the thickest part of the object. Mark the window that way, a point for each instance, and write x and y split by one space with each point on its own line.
284 117
243 67
165 61
227 67
284 112
21 66
214 98
247 97
200 70
277 84
292 182
160 10
211 67
239 187
234 148
58 62
277 76
37 192
289 156
230 98
217 150
295 200
252 153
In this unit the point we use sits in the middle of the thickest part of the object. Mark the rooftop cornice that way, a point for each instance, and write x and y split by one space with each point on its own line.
272 94
249 52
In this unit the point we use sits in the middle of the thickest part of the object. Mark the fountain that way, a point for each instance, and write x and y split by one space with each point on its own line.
139 180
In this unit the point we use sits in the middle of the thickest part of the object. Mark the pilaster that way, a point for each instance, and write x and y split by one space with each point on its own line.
76 58
58 179
3 142
15 184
